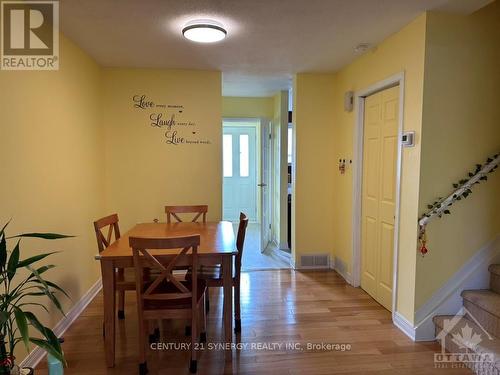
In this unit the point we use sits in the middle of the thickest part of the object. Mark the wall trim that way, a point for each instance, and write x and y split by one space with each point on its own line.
404 325
346 275
37 354
359 100
446 300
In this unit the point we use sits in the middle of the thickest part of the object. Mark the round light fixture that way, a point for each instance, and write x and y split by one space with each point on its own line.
204 31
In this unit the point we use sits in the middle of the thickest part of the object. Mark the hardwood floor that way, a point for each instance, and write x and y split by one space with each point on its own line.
278 307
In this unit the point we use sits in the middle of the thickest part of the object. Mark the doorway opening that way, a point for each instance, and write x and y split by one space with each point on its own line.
247 187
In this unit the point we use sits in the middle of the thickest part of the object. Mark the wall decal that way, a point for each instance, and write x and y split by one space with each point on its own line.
170 117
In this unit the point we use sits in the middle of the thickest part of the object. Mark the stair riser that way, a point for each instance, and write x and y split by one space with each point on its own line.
488 321
495 283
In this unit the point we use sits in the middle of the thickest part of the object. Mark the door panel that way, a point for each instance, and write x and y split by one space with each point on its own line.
240 173
380 143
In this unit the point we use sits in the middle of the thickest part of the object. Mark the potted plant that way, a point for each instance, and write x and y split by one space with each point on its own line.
23 283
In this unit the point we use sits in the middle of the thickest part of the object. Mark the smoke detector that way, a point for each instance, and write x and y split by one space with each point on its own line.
362 47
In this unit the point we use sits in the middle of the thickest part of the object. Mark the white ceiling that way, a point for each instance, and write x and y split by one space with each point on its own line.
268 40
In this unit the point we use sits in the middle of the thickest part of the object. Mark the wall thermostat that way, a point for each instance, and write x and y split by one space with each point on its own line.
408 139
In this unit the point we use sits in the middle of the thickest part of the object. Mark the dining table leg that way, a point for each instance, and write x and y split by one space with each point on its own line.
109 292
227 280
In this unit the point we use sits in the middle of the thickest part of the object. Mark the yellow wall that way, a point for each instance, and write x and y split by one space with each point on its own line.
402 52
143 173
313 189
51 165
253 107
461 127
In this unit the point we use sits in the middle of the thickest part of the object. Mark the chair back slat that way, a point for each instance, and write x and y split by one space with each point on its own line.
240 241
173 211
111 224
144 259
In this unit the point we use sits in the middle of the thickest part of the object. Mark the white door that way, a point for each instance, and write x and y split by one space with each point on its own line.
380 146
240 172
265 184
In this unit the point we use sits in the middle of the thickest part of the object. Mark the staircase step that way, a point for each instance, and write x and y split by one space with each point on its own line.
449 331
484 306
494 277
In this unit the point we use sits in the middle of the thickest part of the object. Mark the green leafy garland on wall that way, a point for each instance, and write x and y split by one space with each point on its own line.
463 189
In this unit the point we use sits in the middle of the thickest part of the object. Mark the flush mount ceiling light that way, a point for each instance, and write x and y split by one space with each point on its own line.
204 31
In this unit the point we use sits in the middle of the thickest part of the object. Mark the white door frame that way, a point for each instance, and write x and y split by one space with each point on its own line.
359 105
234 121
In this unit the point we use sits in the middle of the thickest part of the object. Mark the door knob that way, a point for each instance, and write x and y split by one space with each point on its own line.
262 185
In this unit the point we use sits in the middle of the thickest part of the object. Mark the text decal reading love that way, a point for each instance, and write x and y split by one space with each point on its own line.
170 118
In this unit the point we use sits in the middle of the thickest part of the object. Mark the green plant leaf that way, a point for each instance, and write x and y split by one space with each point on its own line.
46 236
3 246
33 259
33 304
35 322
13 260
3 251
52 339
4 316
22 325
46 290
41 270
48 348
52 285
57 287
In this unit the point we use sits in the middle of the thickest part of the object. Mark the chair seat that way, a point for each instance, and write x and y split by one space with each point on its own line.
171 304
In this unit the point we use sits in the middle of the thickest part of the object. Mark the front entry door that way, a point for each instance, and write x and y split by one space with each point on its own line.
240 173
380 144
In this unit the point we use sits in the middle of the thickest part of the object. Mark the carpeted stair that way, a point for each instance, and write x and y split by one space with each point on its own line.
474 336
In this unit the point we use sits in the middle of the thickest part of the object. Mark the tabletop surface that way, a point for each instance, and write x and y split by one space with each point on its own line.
215 237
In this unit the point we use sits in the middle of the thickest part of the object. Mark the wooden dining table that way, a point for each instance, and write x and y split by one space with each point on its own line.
217 246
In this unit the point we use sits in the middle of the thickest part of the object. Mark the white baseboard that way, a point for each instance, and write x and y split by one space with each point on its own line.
447 300
404 325
37 354
338 266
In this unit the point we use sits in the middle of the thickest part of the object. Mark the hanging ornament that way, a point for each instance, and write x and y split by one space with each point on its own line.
423 241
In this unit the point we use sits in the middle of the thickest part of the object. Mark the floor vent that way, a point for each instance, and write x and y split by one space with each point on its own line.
315 261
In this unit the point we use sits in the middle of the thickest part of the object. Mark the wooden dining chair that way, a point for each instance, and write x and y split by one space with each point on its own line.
213 274
167 297
124 280
174 211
